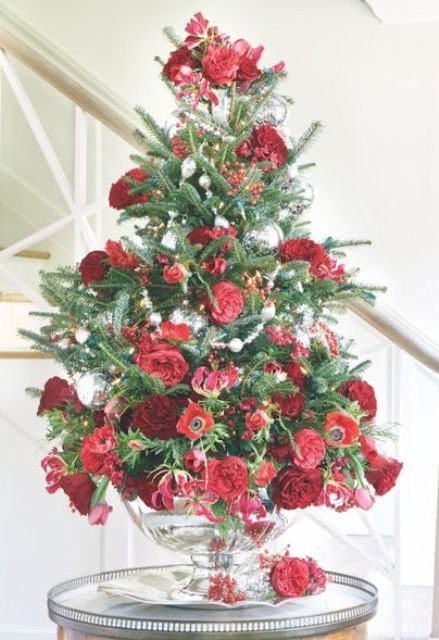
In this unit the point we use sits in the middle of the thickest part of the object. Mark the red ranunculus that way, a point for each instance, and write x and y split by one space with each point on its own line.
163 361
294 488
178 332
174 273
195 422
157 417
383 473
79 487
179 66
215 266
290 406
96 452
341 430
227 477
290 577
257 420
118 257
57 393
221 64
308 449
94 268
265 474
362 392
295 373
229 302
120 196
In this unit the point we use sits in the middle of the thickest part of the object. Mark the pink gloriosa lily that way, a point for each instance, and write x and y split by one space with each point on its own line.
211 383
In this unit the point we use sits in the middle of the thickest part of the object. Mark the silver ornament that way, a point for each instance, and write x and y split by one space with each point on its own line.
220 221
155 319
268 312
204 181
195 321
301 193
169 240
188 168
264 237
92 388
172 214
172 125
82 335
293 171
274 111
235 345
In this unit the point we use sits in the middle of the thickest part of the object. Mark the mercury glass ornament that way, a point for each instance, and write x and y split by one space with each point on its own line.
263 238
268 312
188 168
82 335
169 240
204 181
92 388
172 126
184 315
301 192
274 111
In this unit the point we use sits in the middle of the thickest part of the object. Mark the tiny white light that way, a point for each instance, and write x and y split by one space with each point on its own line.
235 345
155 319
82 335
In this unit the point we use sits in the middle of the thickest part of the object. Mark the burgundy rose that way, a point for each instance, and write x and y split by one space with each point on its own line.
290 577
204 235
305 250
294 488
157 417
57 393
295 373
163 361
227 477
308 449
265 145
229 302
221 65
362 392
93 267
147 489
291 405
383 473
79 487
120 196
179 66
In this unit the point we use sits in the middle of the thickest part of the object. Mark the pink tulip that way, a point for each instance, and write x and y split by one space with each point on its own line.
99 514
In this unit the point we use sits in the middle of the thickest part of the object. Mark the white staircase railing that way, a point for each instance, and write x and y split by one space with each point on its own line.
90 96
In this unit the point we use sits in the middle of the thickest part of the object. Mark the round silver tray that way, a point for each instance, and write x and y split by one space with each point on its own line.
77 604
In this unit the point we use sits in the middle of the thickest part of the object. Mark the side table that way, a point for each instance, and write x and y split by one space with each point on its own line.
82 612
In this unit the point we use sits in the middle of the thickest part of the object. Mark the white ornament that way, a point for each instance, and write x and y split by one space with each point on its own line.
92 388
268 312
82 335
204 181
220 221
293 171
155 319
169 240
235 345
188 168
264 237
172 214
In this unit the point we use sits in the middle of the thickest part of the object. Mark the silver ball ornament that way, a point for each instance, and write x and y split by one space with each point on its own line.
204 181
188 168
82 335
301 192
235 345
169 240
92 388
172 126
220 221
263 238
274 111
195 321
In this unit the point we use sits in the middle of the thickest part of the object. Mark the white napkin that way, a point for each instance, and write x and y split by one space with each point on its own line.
150 585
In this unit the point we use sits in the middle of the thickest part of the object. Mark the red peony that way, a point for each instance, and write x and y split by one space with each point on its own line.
221 65
179 66
79 487
362 392
229 302
174 274
178 332
120 196
294 488
118 257
227 477
265 474
265 145
295 373
215 266
341 430
96 451
163 361
93 267
290 406
195 422
308 449
383 473
305 250
290 577
57 393
157 417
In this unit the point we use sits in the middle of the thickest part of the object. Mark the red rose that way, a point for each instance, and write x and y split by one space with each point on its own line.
308 449
157 417
248 70
221 64
204 235
280 449
362 392
93 268
227 477
178 332
174 274
265 474
57 393
305 250
383 473
118 257
265 145
295 373
229 302
194 460
195 422
341 430
120 196
215 266
294 488
163 361
179 66
257 420
79 487
290 577
291 405
244 150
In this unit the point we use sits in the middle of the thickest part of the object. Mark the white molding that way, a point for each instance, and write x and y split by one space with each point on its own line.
405 11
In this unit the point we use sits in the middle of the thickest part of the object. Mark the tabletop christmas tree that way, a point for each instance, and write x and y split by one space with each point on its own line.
202 369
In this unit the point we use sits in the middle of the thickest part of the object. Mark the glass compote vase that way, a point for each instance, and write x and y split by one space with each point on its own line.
213 548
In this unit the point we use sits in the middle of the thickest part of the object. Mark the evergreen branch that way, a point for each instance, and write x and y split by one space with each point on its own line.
153 127
172 36
153 148
307 138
